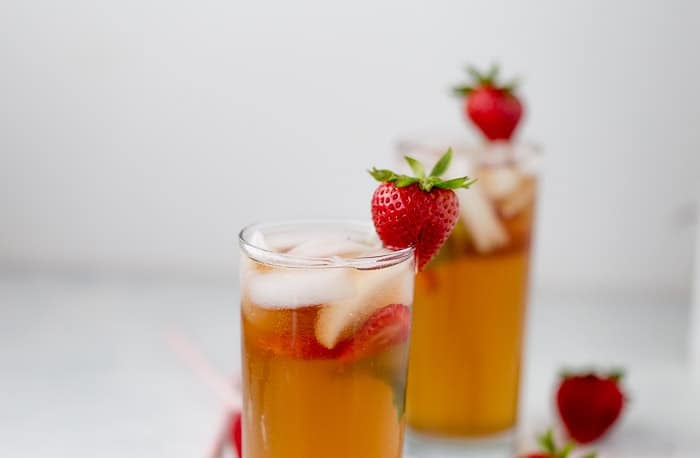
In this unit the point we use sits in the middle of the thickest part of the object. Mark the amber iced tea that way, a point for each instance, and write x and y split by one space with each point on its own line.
325 323
470 303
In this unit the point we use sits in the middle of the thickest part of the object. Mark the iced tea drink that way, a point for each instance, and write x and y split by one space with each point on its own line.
326 315
470 300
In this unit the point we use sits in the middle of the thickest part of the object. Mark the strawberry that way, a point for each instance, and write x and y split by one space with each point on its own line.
550 450
418 211
387 326
302 345
589 404
494 108
236 433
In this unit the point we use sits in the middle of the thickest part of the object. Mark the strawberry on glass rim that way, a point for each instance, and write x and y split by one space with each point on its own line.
493 107
418 211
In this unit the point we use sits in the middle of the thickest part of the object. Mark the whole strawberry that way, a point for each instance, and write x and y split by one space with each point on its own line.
589 404
550 450
418 211
494 108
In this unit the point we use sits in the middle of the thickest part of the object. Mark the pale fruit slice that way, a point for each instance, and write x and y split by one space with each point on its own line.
374 289
518 200
293 288
478 214
499 182
481 219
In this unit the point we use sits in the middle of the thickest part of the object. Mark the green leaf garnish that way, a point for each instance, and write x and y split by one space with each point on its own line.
546 442
416 166
442 164
480 79
426 183
456 183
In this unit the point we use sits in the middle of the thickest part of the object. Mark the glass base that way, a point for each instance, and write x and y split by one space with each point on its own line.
421 445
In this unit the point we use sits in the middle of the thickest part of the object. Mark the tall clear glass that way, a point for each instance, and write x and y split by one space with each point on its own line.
326 315
470 300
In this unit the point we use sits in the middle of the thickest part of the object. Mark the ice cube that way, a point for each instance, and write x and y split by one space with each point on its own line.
374 290
481 219
478 213
520 199
284 241
292 288
499 182
257 239
331 246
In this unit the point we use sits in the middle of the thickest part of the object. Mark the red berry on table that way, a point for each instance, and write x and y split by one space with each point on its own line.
386 327
494 108
549 449
236 433
418 211
589 404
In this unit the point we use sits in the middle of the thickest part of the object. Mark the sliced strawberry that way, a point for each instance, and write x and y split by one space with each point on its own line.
297 346
388 326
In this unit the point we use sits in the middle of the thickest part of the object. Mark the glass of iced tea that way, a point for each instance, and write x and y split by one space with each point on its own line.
326 317
470 299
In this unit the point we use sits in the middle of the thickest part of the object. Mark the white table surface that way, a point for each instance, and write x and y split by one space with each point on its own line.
86 370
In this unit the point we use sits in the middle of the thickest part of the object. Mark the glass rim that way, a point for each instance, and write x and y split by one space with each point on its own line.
485 152
273 258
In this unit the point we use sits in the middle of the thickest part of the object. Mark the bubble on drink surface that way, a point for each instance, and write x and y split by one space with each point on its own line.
286 288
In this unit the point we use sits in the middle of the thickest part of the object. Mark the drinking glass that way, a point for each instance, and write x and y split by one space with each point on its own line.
470 300
326 315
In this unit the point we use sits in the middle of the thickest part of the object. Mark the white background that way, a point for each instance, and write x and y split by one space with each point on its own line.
138 136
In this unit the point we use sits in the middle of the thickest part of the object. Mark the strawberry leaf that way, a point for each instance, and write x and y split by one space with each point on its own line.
616 374
456 183
546 441
510 86
416 166
442 164
462 91
426 183
382 175
404 180
478 80
590 455
474 72
563 453
492 74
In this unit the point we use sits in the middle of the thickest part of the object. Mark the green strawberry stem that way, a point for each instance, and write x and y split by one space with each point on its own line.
548 446
425 182
484 79
615 374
